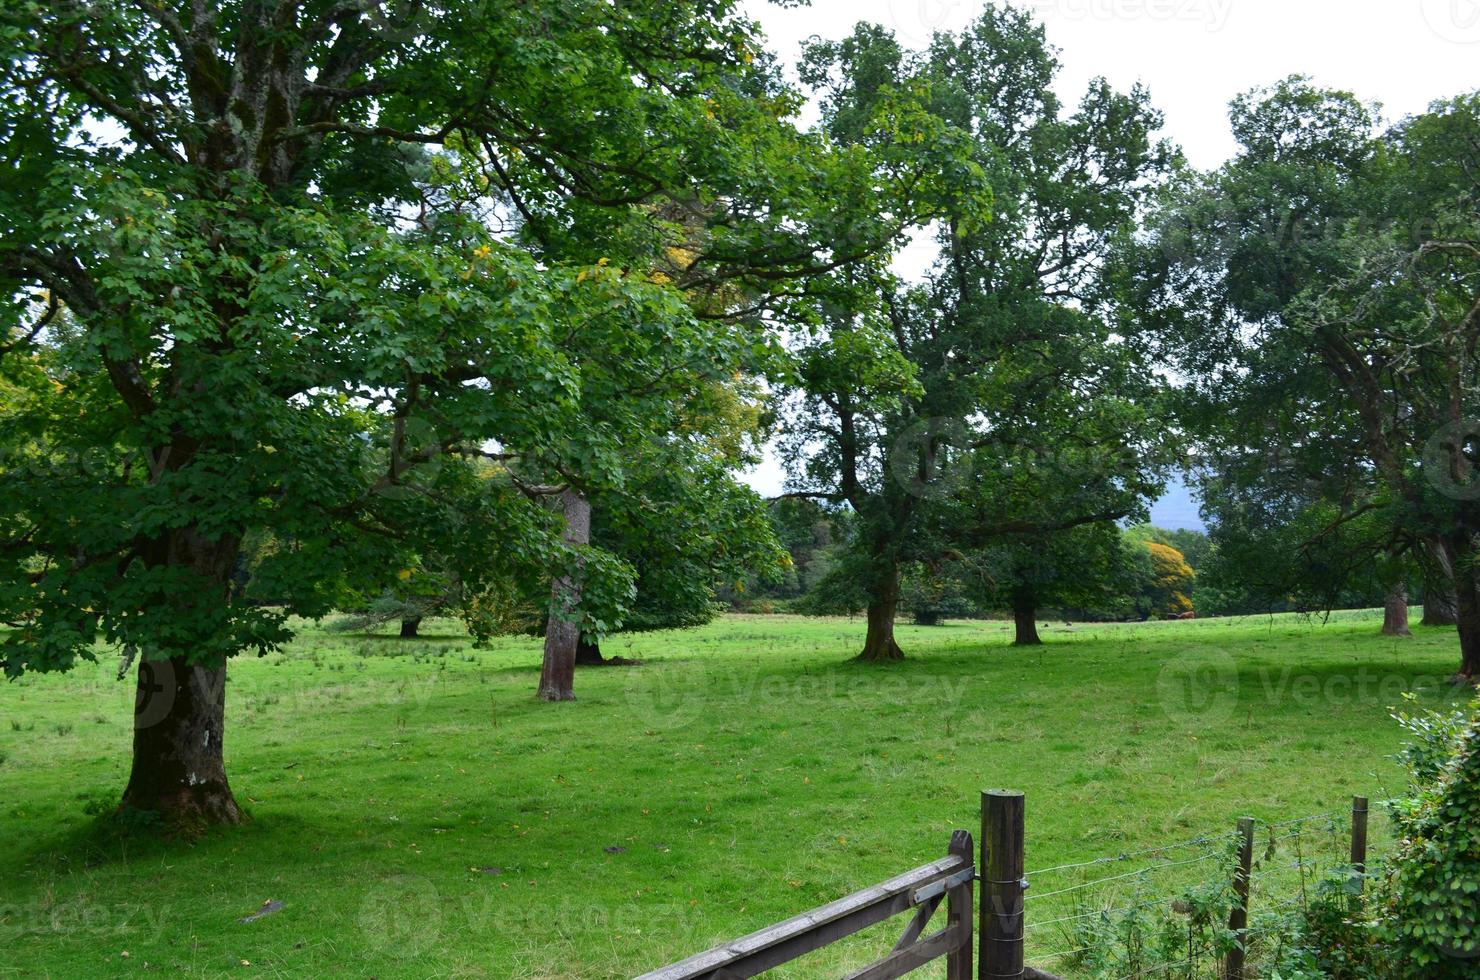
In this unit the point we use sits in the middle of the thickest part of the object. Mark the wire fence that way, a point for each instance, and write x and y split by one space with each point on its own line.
1164 910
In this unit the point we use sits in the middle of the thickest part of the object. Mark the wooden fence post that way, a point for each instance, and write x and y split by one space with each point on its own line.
1238 918
1001 923
958 914
1359 842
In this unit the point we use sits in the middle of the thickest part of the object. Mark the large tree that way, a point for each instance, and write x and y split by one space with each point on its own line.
1092 567
950 413
1327 285
266 278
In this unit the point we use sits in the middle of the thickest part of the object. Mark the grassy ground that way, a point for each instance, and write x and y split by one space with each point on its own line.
421 815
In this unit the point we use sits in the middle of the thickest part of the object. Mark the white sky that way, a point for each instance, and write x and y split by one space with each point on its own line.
1194 56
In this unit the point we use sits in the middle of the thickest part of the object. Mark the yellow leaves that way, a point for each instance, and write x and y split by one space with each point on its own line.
404 574
482 252
595 270
659 278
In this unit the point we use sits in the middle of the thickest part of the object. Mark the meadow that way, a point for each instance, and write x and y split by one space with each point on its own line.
419 814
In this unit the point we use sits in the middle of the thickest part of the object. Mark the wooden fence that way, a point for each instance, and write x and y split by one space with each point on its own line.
950 881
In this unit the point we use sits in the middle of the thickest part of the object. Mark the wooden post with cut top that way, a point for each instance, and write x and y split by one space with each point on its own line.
1001 925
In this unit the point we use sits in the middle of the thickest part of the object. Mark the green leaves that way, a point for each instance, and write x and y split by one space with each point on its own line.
1425 907
352 284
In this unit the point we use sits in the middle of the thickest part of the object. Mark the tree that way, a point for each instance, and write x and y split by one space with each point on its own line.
1194 545
916 405
685 529
1171 580
292 308
417 595
932 594
1091 567
812 535
1330 279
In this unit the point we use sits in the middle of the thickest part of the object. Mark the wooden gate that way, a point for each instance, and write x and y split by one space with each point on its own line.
922 890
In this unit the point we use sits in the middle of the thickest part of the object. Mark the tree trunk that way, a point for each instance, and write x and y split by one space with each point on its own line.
1395 611
179 719
1025 618
883 601
588 653
1467 590
409 628
1440 604
562 630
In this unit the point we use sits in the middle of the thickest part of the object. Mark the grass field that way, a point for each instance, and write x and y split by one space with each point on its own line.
419 814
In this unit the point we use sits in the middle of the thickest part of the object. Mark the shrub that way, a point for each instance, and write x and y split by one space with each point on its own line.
1429 913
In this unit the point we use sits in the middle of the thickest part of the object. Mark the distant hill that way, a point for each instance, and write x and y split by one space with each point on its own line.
1177 509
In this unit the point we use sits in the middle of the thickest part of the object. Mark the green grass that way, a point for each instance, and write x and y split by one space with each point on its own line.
421 815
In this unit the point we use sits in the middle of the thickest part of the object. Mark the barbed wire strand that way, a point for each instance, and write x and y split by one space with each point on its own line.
1131 855
1086 915
1069 952
1128 874
1202 841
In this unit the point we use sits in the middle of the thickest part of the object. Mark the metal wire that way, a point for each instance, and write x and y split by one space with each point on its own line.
1086 915
1067 952
1195 842
1128 874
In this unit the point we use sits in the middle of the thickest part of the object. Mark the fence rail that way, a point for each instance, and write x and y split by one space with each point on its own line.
922 889
1001 923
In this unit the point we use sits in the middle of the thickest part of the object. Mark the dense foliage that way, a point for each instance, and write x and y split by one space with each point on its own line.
1320 296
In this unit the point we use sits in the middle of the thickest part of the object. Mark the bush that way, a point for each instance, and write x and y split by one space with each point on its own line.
1430 909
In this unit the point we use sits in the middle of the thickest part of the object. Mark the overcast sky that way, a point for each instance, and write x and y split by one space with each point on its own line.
1194 56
